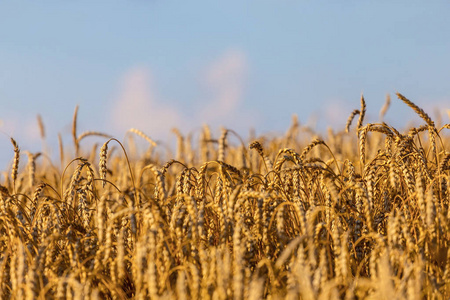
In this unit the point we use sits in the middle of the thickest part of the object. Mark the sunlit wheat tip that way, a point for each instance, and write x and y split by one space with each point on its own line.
102 164
350 119
362 112
15 166
143 135
417 109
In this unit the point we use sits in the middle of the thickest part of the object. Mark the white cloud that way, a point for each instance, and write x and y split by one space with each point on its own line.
138 106
336 112
23 127
225 80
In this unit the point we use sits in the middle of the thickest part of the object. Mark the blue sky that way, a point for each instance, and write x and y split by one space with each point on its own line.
155 65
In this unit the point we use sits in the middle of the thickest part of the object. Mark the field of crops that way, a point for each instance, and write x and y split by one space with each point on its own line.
359 213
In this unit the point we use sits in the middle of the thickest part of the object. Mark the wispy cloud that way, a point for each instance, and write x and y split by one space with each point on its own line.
336 112
225 81
138 106
21 127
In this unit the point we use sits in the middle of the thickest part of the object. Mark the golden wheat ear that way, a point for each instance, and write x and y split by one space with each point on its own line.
362 113
143 135
102 164
350 119
74 130
385 107
41 126
222 145
417 109
15 166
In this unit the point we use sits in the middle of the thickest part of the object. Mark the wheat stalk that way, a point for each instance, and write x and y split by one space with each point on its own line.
91 133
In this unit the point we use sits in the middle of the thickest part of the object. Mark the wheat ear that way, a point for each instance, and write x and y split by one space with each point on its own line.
258 147
102 163
308 148
222 144
32 166
362 113
444 162
61 149
350 119
180 144
385 107
41 126
15 166
417 109
74 130
362 144
143 135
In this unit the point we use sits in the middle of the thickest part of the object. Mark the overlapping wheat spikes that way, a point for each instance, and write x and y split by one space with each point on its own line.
298 216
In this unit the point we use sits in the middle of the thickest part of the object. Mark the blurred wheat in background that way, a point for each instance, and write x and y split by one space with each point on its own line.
362 213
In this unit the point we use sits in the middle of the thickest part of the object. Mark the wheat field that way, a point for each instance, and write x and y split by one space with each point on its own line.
361 213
